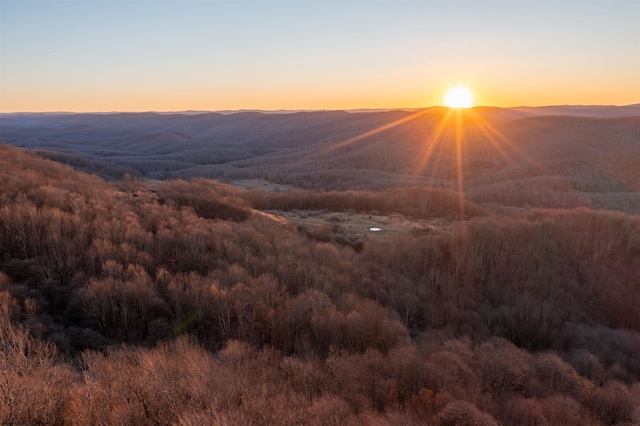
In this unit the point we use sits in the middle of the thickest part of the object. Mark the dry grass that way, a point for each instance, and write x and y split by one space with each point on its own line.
357 225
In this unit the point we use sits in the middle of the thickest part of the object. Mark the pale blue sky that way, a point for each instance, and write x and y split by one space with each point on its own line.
98 55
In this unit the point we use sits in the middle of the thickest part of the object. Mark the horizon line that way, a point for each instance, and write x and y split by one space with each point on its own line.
285 111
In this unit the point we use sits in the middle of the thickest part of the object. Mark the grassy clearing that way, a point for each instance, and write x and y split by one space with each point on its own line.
356 226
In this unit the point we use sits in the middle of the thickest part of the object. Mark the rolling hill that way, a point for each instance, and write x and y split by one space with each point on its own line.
566 156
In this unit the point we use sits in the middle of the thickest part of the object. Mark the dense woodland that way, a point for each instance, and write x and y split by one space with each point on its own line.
176 303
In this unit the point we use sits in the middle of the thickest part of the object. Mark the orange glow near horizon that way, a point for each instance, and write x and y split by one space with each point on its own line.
207 98
295 98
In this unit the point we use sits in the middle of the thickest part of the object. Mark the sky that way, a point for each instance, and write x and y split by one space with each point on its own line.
176 55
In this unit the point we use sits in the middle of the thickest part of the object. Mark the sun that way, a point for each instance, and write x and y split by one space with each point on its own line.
458 97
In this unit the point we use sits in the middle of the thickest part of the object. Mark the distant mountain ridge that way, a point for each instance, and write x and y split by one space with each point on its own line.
601 111
333 149
590 110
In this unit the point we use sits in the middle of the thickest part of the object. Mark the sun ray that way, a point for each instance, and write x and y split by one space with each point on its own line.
375 131
431 143
496 137
459 143
484 128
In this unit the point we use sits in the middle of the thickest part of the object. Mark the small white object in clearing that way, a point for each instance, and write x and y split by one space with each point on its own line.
375 229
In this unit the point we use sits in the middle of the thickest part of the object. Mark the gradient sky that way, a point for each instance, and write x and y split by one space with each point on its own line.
170 55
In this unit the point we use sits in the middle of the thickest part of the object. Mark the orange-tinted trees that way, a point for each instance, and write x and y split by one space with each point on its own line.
232 317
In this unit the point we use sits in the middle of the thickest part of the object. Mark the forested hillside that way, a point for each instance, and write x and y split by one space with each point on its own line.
175 302
495 151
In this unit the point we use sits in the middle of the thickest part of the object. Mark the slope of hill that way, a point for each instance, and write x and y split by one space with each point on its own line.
174 302
336 149
139 140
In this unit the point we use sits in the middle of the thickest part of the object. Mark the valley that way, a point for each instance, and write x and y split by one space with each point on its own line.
392 267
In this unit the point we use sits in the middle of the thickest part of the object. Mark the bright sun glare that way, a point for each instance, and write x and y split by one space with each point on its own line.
458 97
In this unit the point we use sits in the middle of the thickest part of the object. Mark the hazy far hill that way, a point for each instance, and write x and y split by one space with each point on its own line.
585 110
592 149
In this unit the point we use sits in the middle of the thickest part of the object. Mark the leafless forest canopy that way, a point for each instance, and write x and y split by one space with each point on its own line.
143 292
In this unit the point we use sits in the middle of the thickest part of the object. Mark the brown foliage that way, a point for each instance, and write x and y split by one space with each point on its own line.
207 199
413 201
461 413
233 318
